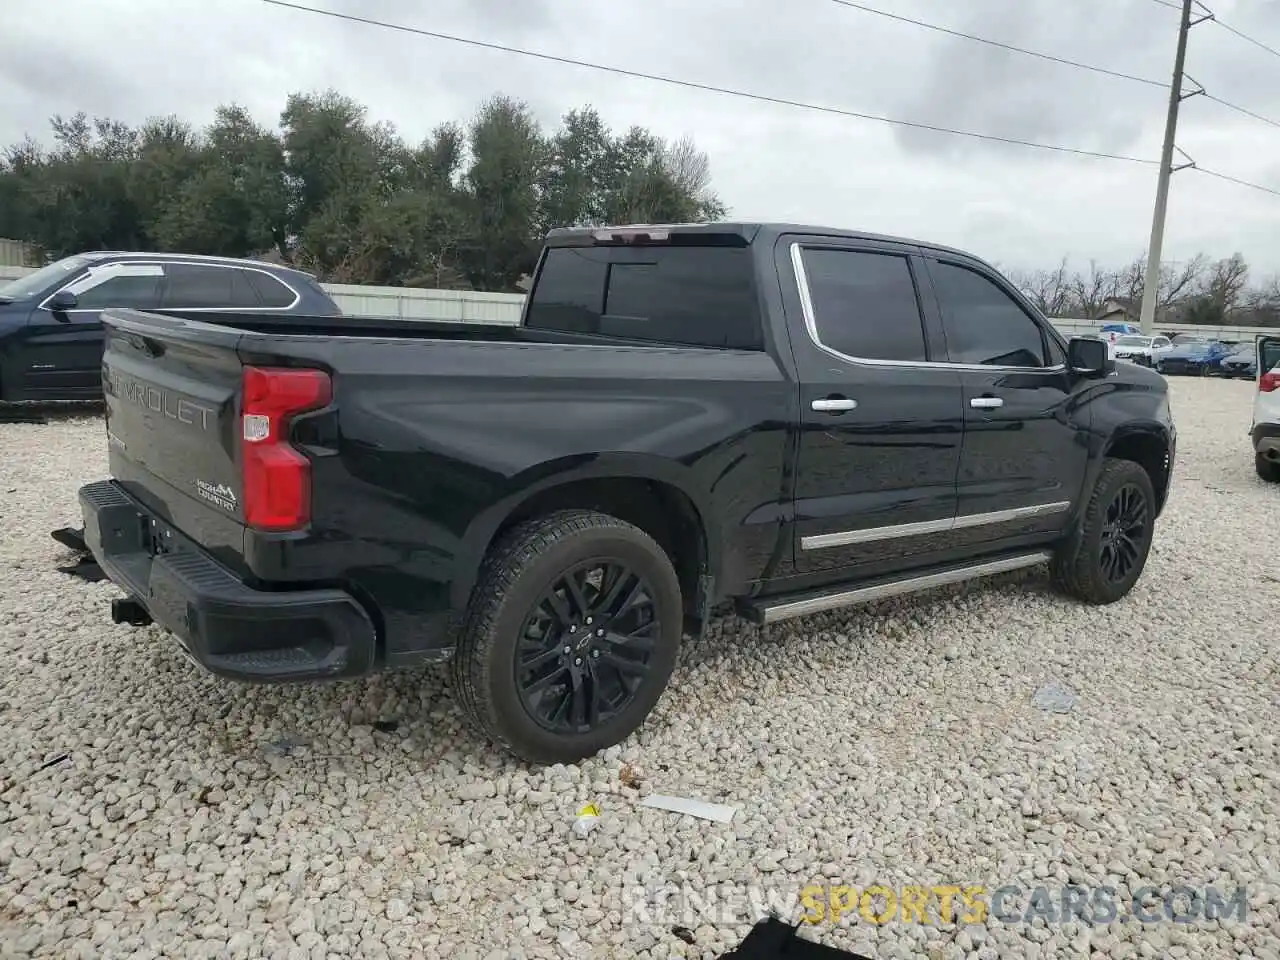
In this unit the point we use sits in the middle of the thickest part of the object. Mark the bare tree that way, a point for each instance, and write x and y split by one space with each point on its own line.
1090 291
1049 290
1176 283
687 166
1225 282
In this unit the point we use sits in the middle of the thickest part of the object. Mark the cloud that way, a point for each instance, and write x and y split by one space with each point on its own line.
132 59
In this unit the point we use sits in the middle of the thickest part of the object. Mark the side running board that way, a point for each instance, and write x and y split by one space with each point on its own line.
774 609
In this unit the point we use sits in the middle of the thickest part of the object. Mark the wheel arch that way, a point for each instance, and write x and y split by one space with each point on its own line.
1150 446
659 496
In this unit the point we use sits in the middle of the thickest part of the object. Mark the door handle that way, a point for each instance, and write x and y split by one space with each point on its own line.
986 403
834 404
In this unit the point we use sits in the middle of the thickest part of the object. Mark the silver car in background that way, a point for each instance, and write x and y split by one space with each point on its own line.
1143 350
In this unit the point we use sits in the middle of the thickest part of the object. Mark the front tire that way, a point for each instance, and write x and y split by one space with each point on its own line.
570 637
1268 470
1103 558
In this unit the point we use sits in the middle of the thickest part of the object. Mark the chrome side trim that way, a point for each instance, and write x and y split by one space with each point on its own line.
847 598
811 325
1014 513
893 532
872 534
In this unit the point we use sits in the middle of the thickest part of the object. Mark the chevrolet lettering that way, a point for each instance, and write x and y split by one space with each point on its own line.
157 400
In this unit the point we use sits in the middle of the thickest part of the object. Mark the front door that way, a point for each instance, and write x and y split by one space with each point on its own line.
1025 451
880 429
61 354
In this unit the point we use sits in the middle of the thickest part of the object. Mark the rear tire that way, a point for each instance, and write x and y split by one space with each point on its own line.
1103 558
570 637
1268 470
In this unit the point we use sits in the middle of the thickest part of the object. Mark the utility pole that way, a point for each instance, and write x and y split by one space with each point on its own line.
1152 287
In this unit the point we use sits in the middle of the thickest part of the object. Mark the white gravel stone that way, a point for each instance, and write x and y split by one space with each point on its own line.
896 744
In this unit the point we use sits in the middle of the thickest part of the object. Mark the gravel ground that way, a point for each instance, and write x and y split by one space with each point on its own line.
898 745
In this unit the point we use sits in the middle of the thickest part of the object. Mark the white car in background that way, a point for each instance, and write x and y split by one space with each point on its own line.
1265 431
1140 349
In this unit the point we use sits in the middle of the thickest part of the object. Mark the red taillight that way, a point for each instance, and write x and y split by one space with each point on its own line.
1269 381
277 478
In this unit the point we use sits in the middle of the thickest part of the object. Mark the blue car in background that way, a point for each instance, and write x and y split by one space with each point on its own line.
1198 356
50 320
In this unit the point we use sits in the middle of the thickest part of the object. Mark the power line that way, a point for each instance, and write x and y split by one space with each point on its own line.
1227 27
709 88
852 4
742 94
1239 109
1244 36
1236 180
1003 46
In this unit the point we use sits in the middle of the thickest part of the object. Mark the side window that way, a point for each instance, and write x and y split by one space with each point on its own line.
139 292
865 304
983 324
699 296
271 292
193 286
1057 356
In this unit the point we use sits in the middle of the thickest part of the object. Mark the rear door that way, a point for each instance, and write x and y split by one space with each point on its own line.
1025 453
1266 405
880 424
62 352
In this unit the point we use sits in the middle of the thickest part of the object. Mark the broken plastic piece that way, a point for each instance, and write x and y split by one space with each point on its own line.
588 817
718 812
1054 698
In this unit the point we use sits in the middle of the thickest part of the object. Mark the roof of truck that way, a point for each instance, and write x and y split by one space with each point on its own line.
748 231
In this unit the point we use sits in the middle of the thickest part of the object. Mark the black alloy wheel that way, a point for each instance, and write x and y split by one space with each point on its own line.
1125 531
571 635
585 649
1105 553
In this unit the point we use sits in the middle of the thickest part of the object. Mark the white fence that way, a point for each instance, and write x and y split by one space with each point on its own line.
413 304
408 303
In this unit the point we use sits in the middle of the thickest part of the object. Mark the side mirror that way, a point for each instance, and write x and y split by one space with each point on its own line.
1089 357
63 300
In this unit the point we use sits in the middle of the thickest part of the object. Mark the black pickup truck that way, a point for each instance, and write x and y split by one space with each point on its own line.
771 419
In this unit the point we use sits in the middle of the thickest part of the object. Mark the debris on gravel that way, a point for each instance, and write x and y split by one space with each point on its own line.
150 810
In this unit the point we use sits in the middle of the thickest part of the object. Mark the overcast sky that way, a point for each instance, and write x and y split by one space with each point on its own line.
1021 207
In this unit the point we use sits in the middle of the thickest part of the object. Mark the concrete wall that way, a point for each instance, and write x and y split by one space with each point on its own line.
13 253
504 308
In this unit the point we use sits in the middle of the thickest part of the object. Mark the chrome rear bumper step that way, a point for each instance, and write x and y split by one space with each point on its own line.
784 608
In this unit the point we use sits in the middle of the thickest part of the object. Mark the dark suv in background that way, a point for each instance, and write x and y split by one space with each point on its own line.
50 320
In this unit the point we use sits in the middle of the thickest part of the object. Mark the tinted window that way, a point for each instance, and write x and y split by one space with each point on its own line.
1057 355
864 304
190 286
689 295
141 293
271 292
983 324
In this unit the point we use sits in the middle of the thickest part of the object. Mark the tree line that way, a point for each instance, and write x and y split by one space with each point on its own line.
1200 291
337 194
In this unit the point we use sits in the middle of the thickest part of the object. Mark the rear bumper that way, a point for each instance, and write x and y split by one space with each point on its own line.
1266 439
226 626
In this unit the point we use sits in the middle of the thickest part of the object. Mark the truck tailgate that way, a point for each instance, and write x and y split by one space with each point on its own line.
172 397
